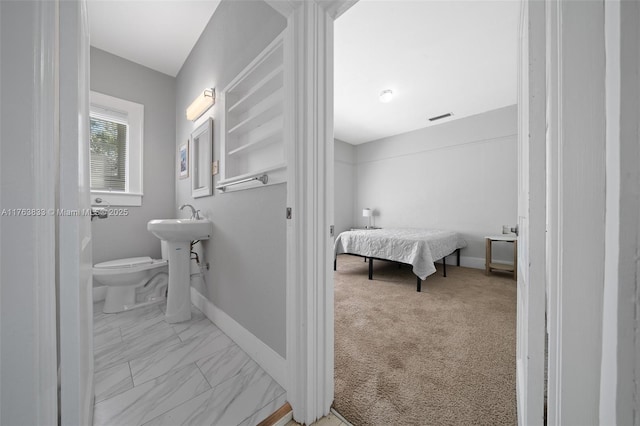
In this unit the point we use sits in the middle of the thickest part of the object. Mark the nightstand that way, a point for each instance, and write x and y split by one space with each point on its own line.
491 266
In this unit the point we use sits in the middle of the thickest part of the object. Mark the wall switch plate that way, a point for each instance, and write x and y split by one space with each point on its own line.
214 168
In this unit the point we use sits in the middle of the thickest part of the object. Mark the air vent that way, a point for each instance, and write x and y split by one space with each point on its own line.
440 117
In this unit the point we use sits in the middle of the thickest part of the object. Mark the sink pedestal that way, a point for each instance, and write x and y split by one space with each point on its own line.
179 291
178 234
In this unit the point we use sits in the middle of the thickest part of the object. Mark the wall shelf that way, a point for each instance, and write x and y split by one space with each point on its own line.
259 117
272 138
253 121
269 84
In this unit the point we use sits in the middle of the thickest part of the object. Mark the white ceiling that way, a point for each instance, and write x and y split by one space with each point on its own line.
158 34
436 56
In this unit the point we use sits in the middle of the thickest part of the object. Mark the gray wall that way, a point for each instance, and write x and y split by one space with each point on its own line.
460 175
345 190
247 278
127 236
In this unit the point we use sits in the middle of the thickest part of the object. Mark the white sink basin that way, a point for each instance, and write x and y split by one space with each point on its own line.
181 230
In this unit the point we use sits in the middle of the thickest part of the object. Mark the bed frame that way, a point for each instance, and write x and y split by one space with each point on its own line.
419 281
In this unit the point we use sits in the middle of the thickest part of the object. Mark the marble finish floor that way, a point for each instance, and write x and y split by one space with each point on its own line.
149 372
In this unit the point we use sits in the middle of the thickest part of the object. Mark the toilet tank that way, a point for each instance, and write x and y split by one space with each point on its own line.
164 248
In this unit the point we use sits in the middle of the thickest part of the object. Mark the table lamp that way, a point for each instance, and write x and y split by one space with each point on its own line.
367 213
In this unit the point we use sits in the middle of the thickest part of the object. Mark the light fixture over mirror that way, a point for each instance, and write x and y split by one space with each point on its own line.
201 104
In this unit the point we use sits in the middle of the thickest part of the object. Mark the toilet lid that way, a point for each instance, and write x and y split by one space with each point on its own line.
125 263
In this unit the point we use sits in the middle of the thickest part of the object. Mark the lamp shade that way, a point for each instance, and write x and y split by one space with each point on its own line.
366 212
201 104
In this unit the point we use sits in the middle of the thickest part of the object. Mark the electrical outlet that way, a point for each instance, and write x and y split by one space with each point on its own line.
214 168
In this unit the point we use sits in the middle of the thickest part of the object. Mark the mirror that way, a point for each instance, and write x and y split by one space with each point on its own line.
201 156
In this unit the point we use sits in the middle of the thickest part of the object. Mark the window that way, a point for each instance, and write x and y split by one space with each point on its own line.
116 135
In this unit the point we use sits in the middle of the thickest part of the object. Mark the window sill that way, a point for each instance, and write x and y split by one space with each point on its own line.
116 198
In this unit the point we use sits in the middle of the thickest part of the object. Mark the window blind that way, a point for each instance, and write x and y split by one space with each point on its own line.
108 149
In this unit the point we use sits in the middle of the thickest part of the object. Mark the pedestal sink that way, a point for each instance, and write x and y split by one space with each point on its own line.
178 233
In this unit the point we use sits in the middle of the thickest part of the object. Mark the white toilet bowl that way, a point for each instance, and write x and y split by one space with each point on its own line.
132 282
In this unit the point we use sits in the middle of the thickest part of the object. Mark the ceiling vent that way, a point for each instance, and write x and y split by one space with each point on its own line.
440 117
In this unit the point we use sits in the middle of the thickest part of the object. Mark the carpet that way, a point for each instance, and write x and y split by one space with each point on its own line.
445 356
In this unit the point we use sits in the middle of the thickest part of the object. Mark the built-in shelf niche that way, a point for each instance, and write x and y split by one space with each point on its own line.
253 123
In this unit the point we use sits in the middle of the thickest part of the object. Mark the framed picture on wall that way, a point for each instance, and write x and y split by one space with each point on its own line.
183 160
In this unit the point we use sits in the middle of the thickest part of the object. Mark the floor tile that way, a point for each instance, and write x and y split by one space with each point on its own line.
112 381
110 355
106 336
97 310
194 327
156 327
173 368
196 316
127 319
226 404
225 364
143 403
163 360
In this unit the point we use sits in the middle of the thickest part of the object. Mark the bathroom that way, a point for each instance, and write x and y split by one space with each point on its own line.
266 263
242 282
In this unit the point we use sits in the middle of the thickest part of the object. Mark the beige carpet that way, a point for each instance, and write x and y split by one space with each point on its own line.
445 356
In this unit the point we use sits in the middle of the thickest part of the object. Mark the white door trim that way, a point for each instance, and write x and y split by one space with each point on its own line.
619 393
310 157
576 208
309 143
45 156
532 215
74 232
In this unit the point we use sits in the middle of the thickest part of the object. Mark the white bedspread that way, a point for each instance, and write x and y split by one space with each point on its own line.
417 247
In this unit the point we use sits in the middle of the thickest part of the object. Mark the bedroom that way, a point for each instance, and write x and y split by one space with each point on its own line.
457 173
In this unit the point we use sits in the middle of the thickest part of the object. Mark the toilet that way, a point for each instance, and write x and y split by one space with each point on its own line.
132 282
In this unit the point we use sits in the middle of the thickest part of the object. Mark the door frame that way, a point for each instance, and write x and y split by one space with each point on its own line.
309 147
620 390
309 129
45 151
531 214
74 244
28 262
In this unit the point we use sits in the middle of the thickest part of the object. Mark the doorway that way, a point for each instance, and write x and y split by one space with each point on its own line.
384 178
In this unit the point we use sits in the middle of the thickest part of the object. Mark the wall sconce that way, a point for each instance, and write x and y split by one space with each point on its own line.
201 104
367 213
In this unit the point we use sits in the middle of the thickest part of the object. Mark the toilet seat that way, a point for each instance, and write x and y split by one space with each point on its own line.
131 264
125 263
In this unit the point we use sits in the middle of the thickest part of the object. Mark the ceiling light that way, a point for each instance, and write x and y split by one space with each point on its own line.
201 104
385 96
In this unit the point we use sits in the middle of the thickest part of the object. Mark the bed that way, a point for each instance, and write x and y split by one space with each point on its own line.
413 246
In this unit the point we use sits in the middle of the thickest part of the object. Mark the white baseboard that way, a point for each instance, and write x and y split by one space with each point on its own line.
477 262
472 262
467 262
99 293
267 358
